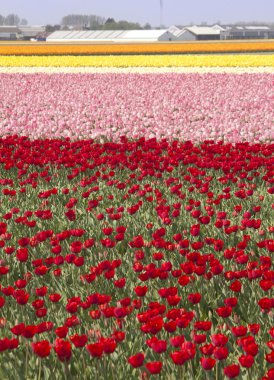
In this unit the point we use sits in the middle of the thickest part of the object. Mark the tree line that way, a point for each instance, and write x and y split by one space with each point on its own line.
93 22
12 20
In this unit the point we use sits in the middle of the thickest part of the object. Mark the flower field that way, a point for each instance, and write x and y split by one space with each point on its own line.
24 48
136 230
150 105
169 60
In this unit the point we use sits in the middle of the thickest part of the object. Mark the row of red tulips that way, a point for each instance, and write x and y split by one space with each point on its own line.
150 256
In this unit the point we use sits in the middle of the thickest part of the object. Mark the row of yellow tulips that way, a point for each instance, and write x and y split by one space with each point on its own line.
138 48
231 60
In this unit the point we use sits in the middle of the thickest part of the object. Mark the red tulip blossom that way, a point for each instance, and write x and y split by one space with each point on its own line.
207 363
63 349
232 371
136 360
41 348
154 367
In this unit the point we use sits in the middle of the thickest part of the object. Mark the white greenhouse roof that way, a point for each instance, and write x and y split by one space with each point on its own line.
218 27
31 28
58 34
200 30
109 35
8 26
174 30
257 27
143 34
181 33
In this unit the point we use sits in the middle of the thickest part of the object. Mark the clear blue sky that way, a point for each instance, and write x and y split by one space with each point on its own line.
39 12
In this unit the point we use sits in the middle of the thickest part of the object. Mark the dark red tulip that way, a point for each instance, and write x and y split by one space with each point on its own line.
41 348
63 349
224 311
246 361
232 371
79 340
136 360
154 367
179 357
207 363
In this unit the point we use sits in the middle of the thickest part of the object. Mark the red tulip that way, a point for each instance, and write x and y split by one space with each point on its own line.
136 360
207 363
194 298
157 345
141 290
239 331
179 357
246 361
61 332
232 371
154 367
109 345
63 349
224 311
221 353
41 348
79 340
2 302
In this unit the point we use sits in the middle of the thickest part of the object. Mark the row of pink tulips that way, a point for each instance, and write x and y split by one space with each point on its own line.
195 107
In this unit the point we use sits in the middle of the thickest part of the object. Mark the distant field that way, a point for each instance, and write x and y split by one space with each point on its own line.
101 48
139 60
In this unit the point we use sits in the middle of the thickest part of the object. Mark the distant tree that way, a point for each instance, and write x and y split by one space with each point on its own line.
49 28
110 26
96 22
87 21
64 27
2 20
110 21
24 22
93 22
12 19
52 28
121 25
125 25
147 26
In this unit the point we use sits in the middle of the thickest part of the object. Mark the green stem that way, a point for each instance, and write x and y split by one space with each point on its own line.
84 365
97 369
182 372
27 362
67 374
40 369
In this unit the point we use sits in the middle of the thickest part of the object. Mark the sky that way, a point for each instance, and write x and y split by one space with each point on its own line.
175 12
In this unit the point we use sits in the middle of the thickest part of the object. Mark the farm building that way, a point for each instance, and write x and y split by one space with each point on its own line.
29 32
246 32
198 33
174 30
218 27
9 32
112 36
20 32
